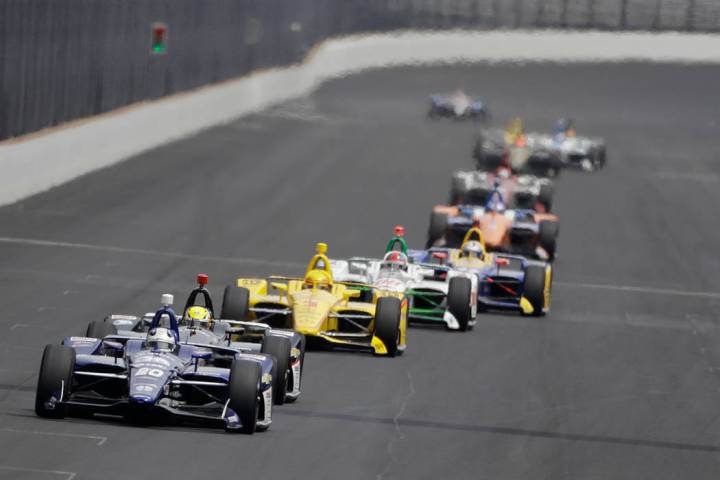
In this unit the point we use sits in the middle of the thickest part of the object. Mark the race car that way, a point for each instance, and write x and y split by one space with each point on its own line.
513 148
157 376
323 309
198 325
586 153
457 105
436 293
521 191
522 232
505 282
539 153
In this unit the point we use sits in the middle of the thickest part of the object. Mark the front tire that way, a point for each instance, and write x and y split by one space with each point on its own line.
244 393
55 380
279 348
534 288
235 304
387 323
458 301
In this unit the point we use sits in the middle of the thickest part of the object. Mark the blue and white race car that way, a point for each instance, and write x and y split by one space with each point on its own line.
505 282
457 105
157 376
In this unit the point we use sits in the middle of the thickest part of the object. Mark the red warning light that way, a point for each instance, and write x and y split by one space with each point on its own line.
202 279
399 231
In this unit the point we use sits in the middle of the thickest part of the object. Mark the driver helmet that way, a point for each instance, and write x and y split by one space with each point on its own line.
564 126
161 340
317 279
473 249
394 262
198 314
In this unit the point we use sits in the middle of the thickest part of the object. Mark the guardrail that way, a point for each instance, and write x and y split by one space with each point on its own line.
65 59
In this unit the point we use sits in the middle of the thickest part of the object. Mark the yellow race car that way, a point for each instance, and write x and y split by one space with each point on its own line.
323 310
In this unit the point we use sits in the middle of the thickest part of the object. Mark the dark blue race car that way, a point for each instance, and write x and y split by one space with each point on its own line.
157 376
505 282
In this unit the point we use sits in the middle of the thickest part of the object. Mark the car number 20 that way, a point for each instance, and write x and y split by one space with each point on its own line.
153 372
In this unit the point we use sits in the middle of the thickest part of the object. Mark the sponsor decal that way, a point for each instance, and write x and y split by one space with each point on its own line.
82 340
267 398
296 377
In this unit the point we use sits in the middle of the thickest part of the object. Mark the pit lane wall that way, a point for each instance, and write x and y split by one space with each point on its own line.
38 162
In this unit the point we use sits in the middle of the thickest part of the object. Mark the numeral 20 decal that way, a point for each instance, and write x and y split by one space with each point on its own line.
153 372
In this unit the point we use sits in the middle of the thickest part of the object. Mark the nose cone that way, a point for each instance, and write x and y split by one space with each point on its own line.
147 385
310 310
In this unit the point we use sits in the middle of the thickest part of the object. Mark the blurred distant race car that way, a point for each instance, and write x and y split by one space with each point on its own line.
521 191
522 232
154 375
436 294
198 325
457 105
585 153
514 149
505 282
323 309
536 153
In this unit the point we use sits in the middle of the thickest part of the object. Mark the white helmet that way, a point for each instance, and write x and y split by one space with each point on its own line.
473 248
161 339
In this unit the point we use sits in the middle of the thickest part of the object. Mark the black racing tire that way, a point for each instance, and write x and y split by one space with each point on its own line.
534 288
458 300
545 197
549 231
56 372
457 191
279 348
387 323
437 229
235 304
100 329
244 393
599 157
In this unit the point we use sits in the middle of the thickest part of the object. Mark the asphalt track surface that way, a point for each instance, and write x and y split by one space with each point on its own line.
620 381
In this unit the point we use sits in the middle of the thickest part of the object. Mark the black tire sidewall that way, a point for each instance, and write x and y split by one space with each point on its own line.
279 348
458 300
235 304
387 323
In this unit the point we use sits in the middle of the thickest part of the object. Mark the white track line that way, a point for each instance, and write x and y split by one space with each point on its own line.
636 289
100 441
272 263
67 475
154 253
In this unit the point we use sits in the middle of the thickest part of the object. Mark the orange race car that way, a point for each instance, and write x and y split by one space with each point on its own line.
522 232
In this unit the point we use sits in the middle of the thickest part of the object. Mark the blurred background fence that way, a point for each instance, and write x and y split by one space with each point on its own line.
66 59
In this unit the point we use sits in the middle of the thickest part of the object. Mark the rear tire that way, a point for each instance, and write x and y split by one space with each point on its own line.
244 393
100 329
457 191
235 304
458 300
534 288
549 231
279 348
438 227
387 323
56 369
545 197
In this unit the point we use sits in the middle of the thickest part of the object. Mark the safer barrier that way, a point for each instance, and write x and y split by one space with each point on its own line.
65 59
